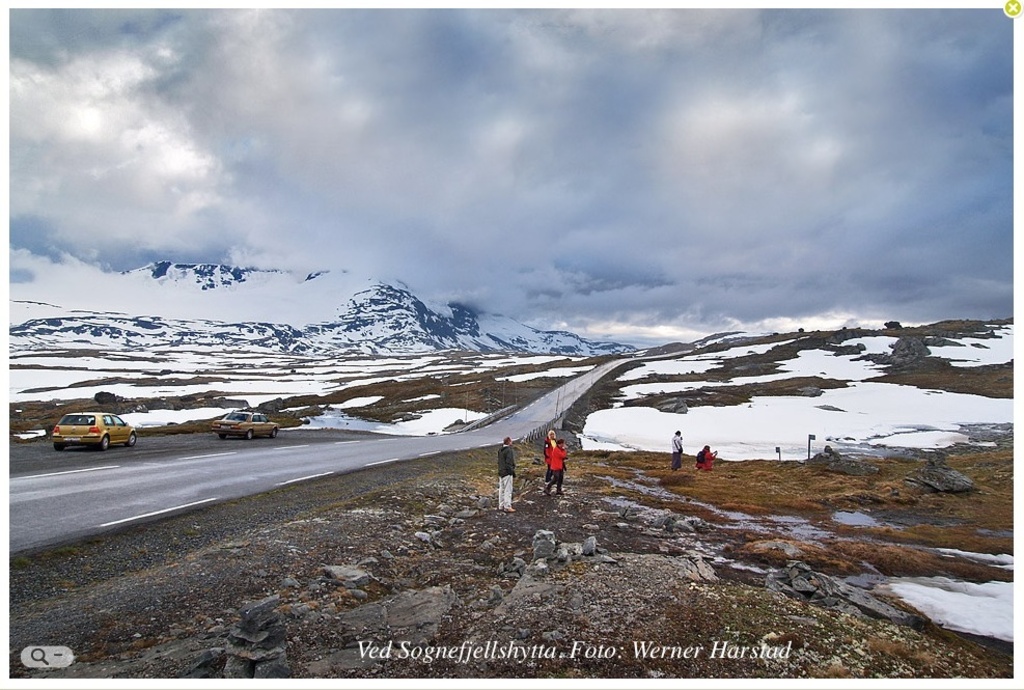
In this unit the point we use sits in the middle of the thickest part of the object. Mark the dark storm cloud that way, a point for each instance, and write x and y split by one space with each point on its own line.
607 170
53 35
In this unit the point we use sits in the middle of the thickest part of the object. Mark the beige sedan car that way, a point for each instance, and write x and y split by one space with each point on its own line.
245 425
94 429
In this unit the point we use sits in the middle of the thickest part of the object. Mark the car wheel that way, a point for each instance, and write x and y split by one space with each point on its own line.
273 432
222 436
131 440
104 442
248 435
58 446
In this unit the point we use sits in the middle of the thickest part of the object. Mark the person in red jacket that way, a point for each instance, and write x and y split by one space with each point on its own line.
549 444
706 459
557 465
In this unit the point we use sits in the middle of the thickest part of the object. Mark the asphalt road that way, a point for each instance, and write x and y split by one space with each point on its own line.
60 497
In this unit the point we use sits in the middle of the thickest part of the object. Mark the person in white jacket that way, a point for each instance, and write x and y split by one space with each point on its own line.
677 451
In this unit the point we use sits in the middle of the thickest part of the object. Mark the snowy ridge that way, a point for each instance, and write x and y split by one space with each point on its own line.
203 276
355 317
119 332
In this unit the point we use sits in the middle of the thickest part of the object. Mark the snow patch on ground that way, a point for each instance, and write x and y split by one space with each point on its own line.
860 413
429 422
984 609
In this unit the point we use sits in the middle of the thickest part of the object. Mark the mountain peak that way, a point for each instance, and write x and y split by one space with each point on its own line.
205 276
324 312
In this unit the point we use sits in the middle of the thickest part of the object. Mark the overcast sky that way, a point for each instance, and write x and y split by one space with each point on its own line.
624 174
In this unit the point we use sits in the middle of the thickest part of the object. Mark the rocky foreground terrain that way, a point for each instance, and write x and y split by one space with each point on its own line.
410 572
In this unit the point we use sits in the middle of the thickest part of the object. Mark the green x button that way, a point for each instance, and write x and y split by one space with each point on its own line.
1012 8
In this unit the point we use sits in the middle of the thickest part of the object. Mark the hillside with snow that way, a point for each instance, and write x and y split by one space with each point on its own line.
834 387
208 306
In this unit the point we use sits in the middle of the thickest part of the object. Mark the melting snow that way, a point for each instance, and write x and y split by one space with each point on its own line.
981 609
862 412
430 422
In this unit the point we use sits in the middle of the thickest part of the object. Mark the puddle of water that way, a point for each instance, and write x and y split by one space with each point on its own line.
854 519
799 528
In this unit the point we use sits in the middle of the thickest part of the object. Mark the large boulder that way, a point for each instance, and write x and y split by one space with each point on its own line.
798 580
272 406
543 544
908 351
673 405
833 461
937 476
105 398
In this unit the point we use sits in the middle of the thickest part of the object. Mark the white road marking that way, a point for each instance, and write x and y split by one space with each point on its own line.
158 512
381 462
305 445
209 455
426 455
341 443
54 474
302 479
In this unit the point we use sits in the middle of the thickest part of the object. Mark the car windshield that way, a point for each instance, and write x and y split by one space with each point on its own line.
77 419
237 417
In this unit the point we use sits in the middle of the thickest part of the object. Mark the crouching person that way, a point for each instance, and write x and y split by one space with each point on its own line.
706 458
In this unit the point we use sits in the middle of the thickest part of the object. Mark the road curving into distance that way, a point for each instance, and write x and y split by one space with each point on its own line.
109 490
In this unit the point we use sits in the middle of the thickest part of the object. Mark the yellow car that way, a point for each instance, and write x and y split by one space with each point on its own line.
95 429
245 424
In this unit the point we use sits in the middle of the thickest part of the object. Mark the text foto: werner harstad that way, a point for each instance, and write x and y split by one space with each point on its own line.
477 651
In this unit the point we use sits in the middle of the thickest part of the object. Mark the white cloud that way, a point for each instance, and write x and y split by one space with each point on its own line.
645 172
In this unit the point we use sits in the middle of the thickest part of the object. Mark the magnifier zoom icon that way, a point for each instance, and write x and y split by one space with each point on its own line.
47 656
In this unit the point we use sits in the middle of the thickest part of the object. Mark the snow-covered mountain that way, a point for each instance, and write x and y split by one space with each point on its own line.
210 305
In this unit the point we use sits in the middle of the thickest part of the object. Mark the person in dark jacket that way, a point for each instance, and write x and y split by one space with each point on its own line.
506 473
557 464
